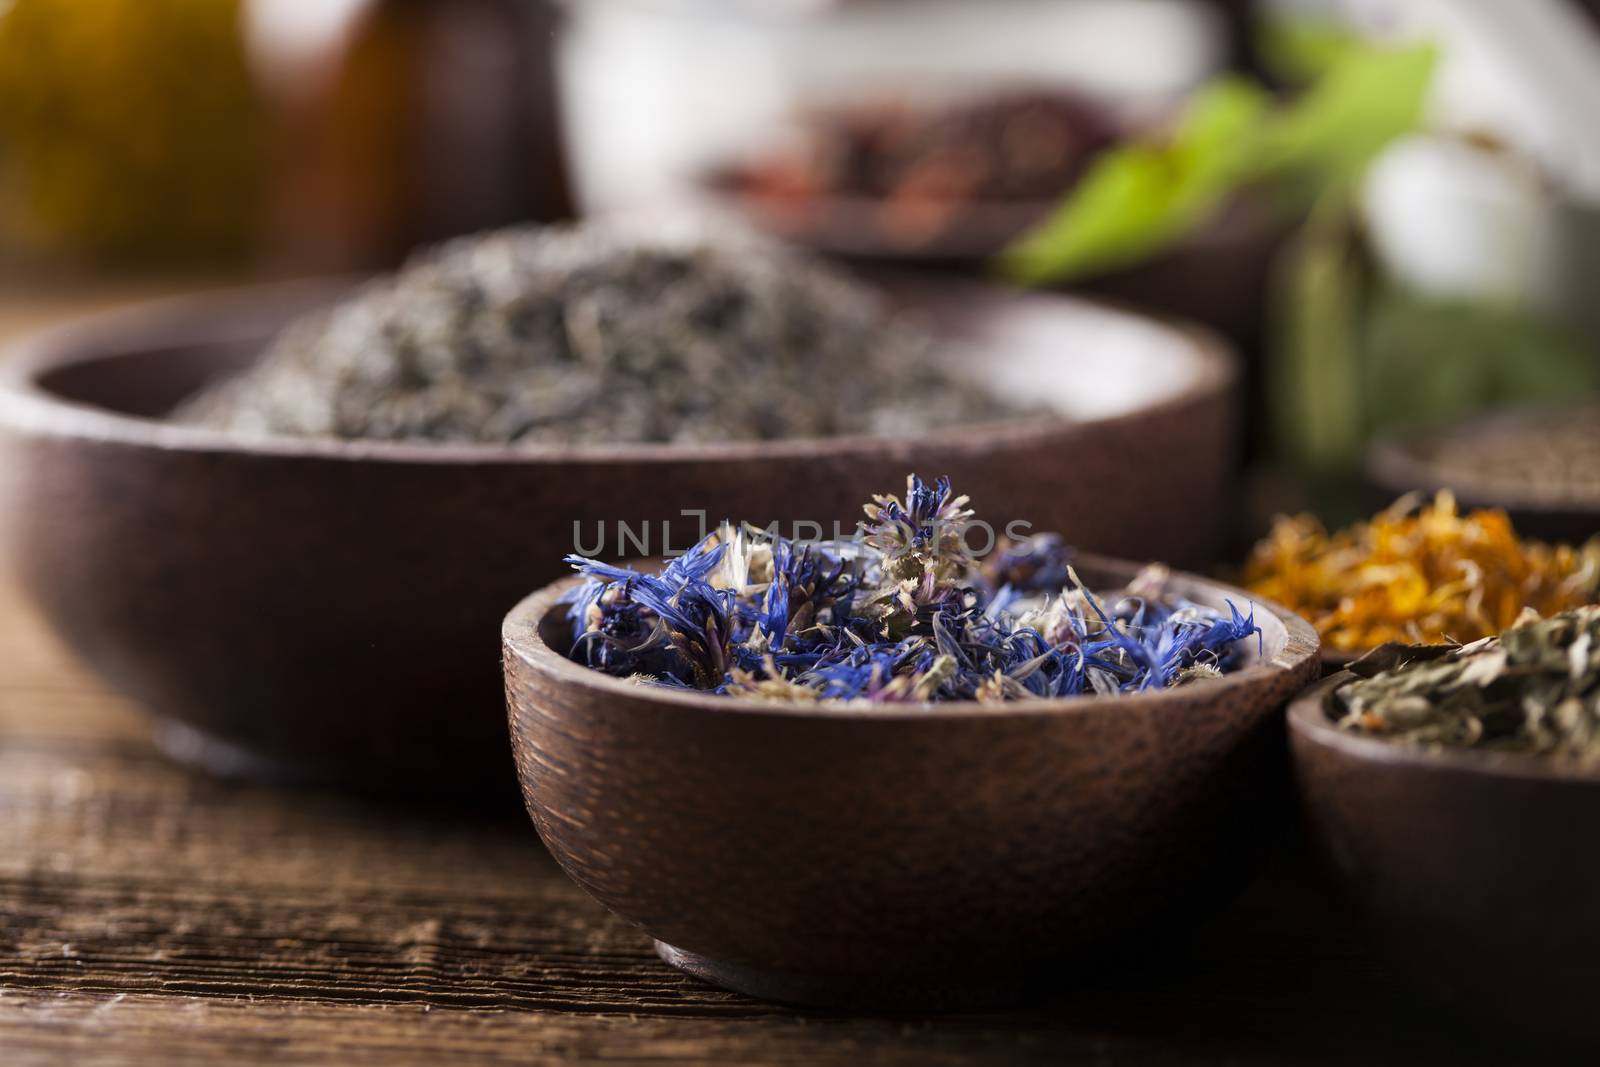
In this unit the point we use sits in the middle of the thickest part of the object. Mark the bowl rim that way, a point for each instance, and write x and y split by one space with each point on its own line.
233 315
1398 463
1308 722
520 637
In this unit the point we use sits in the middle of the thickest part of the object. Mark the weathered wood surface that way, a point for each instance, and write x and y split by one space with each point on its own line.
152 916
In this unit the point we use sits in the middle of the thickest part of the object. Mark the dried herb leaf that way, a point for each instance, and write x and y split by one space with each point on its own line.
1534 689
600 334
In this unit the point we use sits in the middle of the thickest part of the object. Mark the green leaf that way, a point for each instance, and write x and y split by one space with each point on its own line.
1138 198
1302 49
1367 99
1143 197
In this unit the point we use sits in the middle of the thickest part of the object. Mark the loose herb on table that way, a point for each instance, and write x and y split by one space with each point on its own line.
1423 575
1534 688
901 614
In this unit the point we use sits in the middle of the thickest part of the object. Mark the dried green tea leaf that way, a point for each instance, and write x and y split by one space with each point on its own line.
1553 456
1535 689
1394 654
600 334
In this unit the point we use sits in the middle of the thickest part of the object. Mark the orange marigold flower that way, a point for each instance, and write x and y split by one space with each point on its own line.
1420 574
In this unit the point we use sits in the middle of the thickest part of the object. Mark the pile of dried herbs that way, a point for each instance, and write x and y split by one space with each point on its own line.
902 613
1423 574
925 167
1534 688
1554 458
599 334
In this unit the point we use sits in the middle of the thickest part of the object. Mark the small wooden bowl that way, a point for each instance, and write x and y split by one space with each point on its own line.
326 609
1401 465
924 857
1480 868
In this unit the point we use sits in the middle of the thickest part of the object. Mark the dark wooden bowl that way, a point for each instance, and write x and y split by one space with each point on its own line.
326 609
1481 869
1401 464
852 227
906 858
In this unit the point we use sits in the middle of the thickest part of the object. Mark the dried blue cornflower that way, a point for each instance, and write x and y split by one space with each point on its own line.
903 614
922 556
1036 565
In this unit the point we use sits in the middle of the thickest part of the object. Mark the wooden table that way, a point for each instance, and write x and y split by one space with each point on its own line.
152 915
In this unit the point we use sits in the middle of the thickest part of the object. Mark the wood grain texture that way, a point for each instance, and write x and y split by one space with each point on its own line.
149 916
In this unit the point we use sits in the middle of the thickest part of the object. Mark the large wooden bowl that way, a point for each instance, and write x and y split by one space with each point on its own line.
1481 869
912 857
327 609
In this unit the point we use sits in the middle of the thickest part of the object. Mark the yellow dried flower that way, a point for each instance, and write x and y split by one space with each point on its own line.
1423 575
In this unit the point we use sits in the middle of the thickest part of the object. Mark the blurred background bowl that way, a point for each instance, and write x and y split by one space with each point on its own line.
326 609
906 857
1219 276
1479 868
1541 507
656 93
651 124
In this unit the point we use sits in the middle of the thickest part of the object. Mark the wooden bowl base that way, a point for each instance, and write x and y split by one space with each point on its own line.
858 992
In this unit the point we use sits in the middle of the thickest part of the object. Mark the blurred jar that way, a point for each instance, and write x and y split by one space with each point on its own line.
129 132
399 122
295 135
656 93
